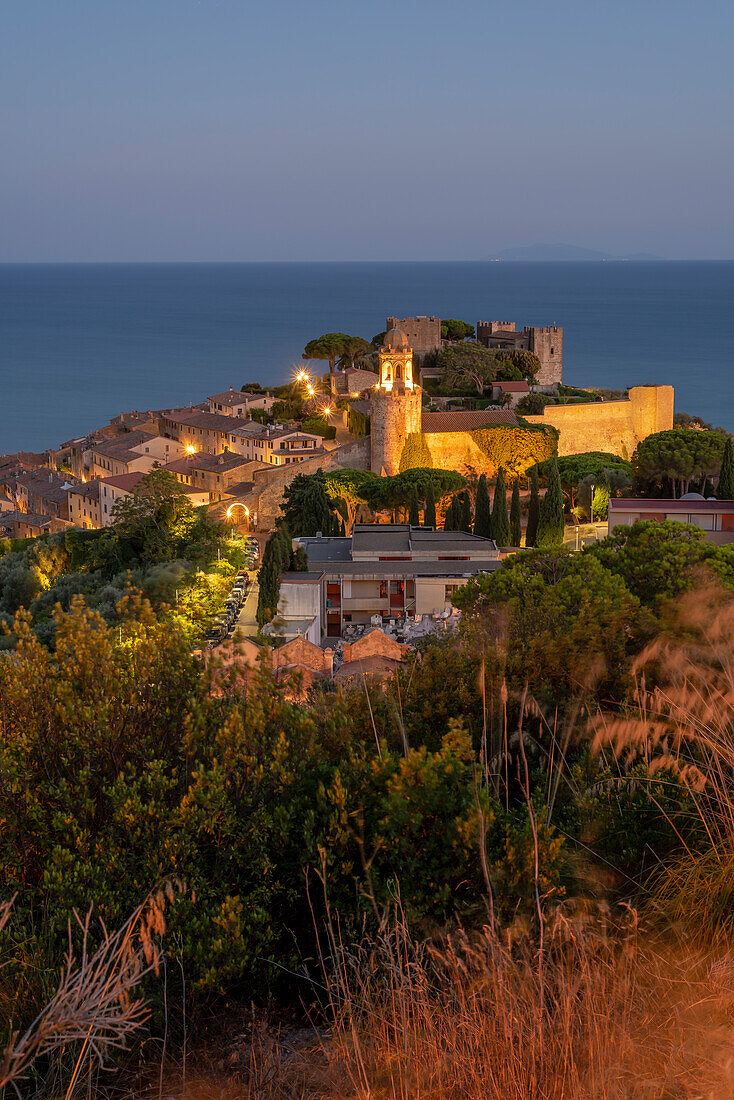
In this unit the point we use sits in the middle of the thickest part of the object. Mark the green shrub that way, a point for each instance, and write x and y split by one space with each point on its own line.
516 449
416 452
317 426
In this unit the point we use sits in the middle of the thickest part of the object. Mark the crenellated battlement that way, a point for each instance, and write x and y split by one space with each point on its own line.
546 343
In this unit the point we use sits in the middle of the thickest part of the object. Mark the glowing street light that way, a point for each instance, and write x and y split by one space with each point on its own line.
190 449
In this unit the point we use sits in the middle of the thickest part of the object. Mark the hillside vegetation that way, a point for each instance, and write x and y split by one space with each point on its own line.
477 880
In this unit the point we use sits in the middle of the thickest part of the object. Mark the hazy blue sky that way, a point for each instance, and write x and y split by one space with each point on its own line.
334 129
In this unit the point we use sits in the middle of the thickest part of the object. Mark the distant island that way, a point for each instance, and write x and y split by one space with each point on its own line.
565 252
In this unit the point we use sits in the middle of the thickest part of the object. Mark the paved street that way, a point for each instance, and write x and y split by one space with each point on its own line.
246 621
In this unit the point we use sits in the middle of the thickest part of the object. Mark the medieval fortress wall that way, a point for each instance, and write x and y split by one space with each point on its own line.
613 426
396 430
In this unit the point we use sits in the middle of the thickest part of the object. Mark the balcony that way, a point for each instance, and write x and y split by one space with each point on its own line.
372 604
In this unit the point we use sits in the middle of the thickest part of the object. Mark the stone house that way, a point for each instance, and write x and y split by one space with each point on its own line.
85 506
215 474
119 486
215 433
131 452
239 403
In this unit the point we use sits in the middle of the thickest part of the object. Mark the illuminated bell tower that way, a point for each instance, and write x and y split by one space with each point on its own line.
395 405
396 361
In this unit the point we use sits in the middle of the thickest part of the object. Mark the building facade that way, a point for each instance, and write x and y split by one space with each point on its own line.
714 517
214 433
85 507
385 572
239 402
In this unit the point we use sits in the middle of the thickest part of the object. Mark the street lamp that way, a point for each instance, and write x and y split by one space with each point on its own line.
591 503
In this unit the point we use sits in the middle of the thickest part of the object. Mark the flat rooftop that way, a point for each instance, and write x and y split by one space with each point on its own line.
394 538
660 504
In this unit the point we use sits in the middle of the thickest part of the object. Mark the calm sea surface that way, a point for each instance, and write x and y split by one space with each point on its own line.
80 343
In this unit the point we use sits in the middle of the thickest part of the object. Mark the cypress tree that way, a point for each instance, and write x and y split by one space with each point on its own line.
725 490
500 519
414 512
550 523
276 558
449 523
515 515
465 511
483 510
531 532
429 512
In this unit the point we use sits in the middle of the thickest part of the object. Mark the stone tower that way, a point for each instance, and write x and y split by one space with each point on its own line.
395 404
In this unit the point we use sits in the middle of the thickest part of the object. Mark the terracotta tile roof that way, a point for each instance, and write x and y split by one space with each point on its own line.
228 460
123 481
121 446
375 665
512 387
218 422
233 397
239 488
88 489
31 519
465 420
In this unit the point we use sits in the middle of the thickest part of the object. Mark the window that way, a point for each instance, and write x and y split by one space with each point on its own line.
706 522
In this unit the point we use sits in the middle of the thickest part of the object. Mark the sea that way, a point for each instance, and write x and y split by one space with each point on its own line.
80 343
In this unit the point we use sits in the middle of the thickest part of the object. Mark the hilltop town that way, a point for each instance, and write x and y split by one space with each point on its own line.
411 433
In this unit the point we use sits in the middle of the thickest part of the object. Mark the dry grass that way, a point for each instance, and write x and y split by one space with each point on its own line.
613 1016
620 1017
98 1004
682 727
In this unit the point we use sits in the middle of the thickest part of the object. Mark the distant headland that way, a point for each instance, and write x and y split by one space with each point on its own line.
557 253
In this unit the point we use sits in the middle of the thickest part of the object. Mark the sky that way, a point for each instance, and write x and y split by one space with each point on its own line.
208 130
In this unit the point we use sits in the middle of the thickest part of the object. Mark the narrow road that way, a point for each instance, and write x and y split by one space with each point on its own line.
246 621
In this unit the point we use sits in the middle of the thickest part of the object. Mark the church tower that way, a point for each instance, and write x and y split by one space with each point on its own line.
395 404
396 361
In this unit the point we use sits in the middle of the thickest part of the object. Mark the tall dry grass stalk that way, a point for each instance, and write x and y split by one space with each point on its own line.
682 728
98 1004
615 1017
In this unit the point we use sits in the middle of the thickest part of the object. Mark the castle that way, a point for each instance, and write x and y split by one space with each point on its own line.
424 335
404 434
545 343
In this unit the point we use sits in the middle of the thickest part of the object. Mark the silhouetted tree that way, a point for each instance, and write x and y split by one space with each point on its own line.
500 519
531 531
515 515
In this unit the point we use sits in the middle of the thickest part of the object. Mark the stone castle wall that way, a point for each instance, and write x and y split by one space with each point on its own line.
423 333
267 491
394 415
613 426
455 450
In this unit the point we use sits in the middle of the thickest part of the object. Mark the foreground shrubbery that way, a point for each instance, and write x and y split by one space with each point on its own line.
568 751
